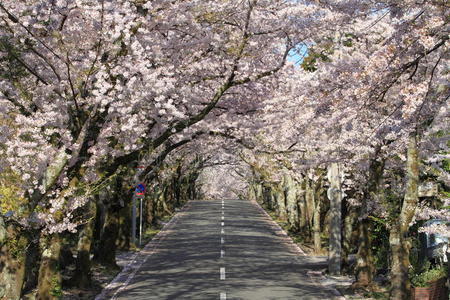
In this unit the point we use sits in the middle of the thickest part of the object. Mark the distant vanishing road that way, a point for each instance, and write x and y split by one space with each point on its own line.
222 250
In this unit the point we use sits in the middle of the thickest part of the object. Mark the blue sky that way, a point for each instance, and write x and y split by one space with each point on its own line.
298 54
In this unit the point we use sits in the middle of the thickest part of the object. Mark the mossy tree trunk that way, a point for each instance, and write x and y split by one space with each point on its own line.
192 191
259 192
82 276
49 281
124 236
159 198
32 262
165 199
178 186
150 210
106 252
184 191
365 268
290 194
267 197
348 234
398 240
12 261
317 202
251 192
280 201
309 206
301 200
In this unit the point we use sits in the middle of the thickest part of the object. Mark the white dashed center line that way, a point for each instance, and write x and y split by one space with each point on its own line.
223 296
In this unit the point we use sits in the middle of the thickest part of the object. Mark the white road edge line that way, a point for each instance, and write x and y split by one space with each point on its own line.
222 273
269 219
223 217
223 223
222 253
115 286
222 231
222 240
223 296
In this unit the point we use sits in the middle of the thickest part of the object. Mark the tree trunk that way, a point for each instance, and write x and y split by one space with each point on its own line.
82 276
168 199
106 252
49 282
301 200
99 224
290 194
281 203
159 207
365 268
318 192
124 235
192 191
348 236
12 261
400 244
251 192
309 206
166 203
32 263
150 211
335 174
267 197
259 192
316 228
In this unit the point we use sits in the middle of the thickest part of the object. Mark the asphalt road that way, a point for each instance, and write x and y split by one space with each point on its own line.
222 252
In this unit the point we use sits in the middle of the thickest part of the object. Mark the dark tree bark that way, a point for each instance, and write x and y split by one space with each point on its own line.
12 261
82 277
318 199
150 211
349 235
106 251
365 268
49 282
400 244
124 236
32 262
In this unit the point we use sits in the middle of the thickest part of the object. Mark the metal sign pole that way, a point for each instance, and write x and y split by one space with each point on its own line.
140 224
133 204
133 219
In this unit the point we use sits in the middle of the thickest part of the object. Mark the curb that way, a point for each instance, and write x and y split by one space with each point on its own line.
314 276
121 281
